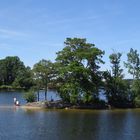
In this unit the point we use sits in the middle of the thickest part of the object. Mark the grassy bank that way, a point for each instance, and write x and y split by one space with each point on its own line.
11 88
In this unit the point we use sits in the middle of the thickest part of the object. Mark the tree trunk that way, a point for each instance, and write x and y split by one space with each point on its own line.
45 93
38 95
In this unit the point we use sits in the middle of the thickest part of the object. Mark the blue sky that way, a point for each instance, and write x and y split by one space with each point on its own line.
36 29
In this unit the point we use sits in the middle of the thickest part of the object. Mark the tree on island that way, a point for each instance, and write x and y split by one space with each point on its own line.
43 74
116 88
133 63
133 66
78 71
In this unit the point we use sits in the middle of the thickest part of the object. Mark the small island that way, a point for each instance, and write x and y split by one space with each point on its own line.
59 104
78 78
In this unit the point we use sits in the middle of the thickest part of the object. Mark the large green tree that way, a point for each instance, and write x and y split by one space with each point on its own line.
116 88
24 78
133 66
43 74
78 68
13 72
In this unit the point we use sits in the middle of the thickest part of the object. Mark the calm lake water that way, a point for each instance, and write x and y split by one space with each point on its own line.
22 124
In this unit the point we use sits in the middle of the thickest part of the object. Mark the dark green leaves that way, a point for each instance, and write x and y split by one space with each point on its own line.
79 70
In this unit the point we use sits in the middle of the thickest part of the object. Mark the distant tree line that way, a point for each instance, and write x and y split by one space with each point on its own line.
14 73
77 76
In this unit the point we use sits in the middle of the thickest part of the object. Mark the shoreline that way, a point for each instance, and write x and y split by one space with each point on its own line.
34 107
67 106
30 107
61 105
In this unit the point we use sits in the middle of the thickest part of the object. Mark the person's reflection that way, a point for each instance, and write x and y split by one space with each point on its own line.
16 108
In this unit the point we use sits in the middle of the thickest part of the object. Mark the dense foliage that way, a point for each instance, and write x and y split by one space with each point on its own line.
30 96
78 71
13 72
117 89
43 71
133 65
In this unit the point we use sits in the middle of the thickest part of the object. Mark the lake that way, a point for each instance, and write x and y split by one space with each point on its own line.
23 124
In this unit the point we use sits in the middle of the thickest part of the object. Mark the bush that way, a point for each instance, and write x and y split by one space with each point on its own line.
30 96
136 88
87 98
137 102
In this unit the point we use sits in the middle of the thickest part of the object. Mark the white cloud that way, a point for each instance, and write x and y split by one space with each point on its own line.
11 33
69 20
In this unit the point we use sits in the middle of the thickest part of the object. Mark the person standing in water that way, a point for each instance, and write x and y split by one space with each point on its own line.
17 103
15 100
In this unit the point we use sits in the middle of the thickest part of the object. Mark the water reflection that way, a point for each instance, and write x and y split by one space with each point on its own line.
59 125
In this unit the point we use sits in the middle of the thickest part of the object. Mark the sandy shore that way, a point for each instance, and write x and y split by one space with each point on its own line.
18 107
30 107
34 105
